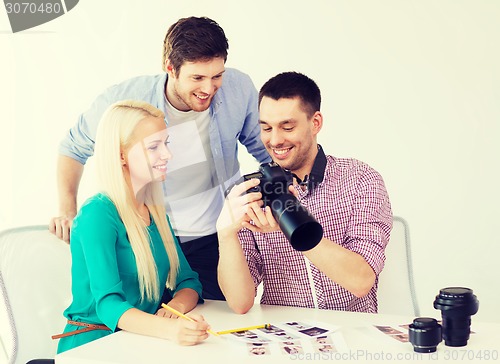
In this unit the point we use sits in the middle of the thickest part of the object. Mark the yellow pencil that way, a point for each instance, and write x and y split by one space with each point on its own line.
175 312
264 326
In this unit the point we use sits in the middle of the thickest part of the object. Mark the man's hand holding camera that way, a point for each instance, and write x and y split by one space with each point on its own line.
240 208
243 209
272 187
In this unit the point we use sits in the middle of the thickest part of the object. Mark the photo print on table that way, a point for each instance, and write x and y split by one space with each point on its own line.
291 348
284 336
306 329
394 333
404 338
297 325
258 349
250 336
278 333
271 329
314 331
323 344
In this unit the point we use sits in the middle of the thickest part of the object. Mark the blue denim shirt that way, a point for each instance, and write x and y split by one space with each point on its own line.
233 112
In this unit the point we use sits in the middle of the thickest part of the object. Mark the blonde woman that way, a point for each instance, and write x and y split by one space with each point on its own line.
122 246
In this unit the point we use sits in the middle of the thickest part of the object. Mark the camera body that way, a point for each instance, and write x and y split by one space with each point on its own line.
299 226
274 181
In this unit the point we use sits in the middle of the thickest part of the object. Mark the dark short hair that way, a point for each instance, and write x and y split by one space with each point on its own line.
290 85
194 39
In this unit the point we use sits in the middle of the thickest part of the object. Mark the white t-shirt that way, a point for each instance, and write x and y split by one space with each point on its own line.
193 197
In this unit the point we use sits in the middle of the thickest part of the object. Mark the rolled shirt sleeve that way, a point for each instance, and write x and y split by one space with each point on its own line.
371 220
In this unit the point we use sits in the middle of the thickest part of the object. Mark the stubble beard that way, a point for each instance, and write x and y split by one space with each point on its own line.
189 105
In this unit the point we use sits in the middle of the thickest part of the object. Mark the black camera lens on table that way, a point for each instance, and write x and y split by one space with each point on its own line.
424 334
299 226
457 305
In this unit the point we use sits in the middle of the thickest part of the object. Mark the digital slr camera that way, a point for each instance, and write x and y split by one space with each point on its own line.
299 226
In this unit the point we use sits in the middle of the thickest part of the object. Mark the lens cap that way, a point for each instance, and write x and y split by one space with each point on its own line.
457 298
424 334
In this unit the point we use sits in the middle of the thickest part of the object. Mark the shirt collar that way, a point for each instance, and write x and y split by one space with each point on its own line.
160 90
317 173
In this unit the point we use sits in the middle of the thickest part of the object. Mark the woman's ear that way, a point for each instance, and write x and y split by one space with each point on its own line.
122 159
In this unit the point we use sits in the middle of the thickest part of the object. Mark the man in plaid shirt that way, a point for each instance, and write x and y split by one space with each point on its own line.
347 197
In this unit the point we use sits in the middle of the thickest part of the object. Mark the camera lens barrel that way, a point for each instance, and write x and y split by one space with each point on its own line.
425 334
457 305
299 226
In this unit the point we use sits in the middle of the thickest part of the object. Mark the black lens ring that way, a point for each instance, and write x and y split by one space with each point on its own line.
425 334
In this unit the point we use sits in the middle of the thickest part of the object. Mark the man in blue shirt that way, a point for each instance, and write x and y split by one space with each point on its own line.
208 110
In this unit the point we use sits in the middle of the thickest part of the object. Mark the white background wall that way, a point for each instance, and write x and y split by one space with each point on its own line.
410 87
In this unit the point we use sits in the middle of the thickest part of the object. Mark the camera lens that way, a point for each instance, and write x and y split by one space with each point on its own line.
424 334
299 226
457 305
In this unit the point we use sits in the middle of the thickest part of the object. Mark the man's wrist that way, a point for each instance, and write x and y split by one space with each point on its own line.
226 235
69 215
68 211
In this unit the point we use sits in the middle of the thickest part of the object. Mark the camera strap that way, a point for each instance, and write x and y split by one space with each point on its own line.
317 173
301 183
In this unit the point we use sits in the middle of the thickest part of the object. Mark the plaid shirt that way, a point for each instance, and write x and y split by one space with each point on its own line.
350 201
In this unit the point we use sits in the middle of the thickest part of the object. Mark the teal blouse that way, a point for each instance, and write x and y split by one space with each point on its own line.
104 272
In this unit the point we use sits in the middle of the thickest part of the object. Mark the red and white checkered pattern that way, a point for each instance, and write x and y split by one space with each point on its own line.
353 207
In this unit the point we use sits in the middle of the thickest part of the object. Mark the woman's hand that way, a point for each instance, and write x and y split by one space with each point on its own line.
179 330
166 314
186 332
184 300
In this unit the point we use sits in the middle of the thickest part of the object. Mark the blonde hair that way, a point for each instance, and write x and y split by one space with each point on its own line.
114 133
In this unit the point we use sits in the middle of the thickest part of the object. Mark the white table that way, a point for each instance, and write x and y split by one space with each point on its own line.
365 343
